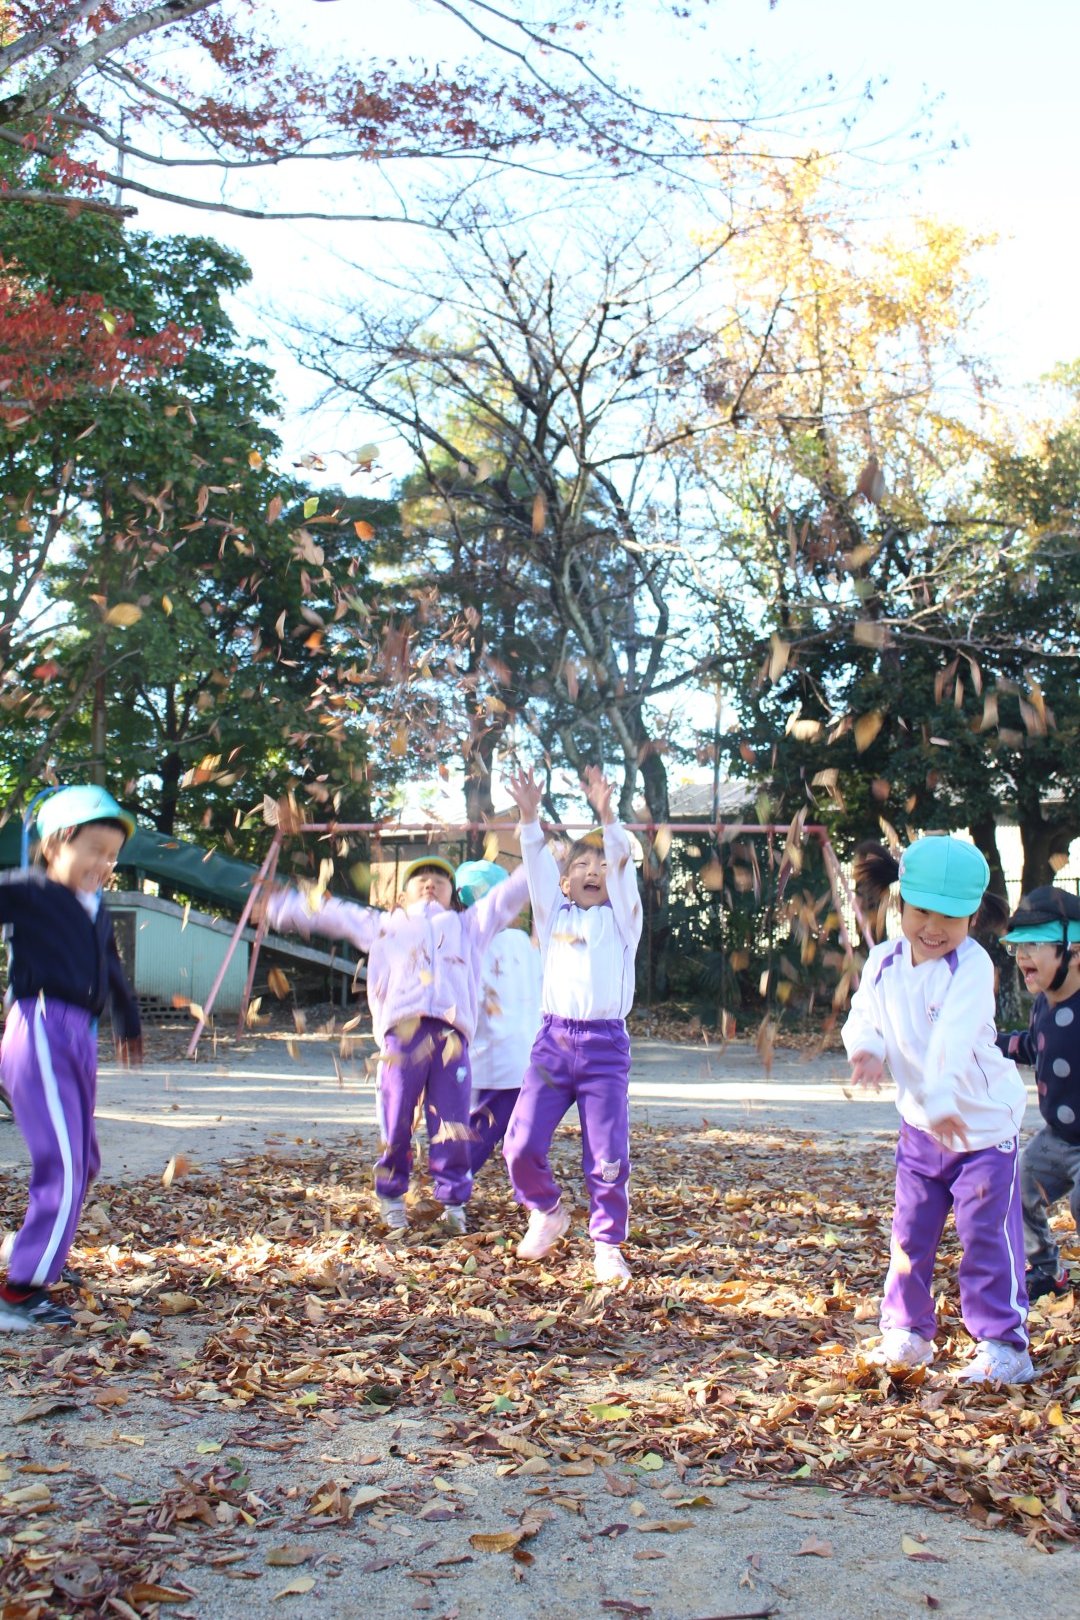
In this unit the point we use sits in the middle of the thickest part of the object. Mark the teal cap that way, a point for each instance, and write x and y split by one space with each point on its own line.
474 879
1043 934
947 875
76 806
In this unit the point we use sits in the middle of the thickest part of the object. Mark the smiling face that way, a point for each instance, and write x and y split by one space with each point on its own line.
584 881
85 860
930 934
430 885
1038 964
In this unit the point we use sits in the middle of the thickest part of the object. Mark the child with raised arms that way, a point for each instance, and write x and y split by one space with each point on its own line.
589 920
424 966
1044 935
925 1008
507 1017
64 970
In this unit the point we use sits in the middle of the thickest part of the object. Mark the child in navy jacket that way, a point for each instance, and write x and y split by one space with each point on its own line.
63 971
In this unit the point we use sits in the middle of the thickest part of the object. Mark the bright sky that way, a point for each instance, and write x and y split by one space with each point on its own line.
1000 79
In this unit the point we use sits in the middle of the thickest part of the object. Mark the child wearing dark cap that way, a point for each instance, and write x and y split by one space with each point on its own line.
1044 935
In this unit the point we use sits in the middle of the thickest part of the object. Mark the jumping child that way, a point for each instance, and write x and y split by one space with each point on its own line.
925 1006
507 1019
424 964
64 968
1044 936
589 923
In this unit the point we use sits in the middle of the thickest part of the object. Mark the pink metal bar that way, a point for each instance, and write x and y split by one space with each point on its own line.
260 935
271 856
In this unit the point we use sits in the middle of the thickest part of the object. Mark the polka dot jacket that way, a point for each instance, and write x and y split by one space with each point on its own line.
1051 1044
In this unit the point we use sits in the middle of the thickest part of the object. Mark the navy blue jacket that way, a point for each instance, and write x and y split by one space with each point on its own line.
57 950
1051 1044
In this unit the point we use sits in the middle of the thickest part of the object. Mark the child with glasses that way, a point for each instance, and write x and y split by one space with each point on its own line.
1044 935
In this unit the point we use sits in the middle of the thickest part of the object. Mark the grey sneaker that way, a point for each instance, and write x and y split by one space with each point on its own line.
37 1310
997 1363
394 1214
899 1347
453 1220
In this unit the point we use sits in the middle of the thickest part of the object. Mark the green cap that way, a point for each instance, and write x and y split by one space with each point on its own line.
434 863
947 875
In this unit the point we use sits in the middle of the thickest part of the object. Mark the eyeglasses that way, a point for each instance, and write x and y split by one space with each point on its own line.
1025 947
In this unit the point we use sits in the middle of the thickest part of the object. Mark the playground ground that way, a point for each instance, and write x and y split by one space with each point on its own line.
265 1408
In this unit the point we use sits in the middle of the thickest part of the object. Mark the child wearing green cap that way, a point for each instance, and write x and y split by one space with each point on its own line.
1044 935
424 972
925 1007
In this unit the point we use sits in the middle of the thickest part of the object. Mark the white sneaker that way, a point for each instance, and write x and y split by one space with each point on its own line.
453 1219
609 1264
394 1215
899 1347
544 1231
997 1363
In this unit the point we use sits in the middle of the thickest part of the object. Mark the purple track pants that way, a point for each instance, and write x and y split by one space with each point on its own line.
428 1058
983 1190
49 1065
488 1121
583 1061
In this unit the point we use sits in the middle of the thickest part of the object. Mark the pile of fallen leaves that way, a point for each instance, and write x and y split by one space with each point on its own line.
269 1292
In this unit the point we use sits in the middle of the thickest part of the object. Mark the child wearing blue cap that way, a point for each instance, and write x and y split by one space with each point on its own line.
1044 935
925 1007
63 970
508 1017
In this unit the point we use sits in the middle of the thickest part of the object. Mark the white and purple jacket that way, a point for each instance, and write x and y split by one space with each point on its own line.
423 962
934 1027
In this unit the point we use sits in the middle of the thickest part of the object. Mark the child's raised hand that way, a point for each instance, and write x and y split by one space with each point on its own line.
598 791
261 902
526 793
867 1070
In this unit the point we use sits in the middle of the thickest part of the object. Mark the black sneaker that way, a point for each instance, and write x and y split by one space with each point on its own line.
38 1309
1039 1285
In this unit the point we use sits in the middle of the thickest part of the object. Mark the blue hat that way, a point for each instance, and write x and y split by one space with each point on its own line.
474 879
77 806
947 875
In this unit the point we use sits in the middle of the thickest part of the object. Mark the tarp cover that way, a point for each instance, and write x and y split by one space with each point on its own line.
200 873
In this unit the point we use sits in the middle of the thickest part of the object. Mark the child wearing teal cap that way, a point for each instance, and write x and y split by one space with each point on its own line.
1044 935
925 1008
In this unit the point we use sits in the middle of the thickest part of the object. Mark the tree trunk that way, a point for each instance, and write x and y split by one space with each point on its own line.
655 877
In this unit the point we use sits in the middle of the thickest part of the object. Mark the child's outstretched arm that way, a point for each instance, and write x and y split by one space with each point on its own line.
125 1008
288 911
622 884
540 868
863 1040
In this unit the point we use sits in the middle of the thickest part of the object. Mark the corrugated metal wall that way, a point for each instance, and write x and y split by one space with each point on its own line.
174 959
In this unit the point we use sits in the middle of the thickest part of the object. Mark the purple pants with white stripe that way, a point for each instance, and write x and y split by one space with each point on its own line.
49 1065
983 1191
